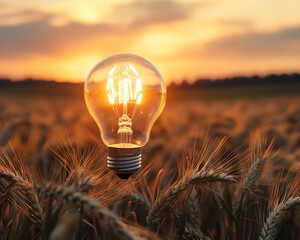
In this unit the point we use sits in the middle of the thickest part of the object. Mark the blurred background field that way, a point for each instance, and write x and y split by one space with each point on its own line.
232 110
51 146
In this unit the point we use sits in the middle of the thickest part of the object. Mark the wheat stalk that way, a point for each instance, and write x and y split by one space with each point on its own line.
160 206
276 218
35 212
81 200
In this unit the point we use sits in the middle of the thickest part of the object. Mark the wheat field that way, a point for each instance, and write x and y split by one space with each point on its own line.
213 169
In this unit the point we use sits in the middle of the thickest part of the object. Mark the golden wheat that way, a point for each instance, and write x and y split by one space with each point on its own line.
80 200
23 196
58 144
276 218
160 206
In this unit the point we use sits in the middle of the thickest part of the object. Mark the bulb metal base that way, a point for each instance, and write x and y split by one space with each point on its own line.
124 161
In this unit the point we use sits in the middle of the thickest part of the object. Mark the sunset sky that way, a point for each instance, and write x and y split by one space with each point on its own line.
63 39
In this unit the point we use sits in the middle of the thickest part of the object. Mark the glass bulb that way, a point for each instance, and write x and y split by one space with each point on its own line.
125 94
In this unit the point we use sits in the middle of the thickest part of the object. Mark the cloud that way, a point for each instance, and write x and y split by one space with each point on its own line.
27 33
40 38
235 23
141 12
284 43
21 16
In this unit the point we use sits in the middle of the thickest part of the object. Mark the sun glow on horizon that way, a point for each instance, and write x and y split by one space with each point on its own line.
61 40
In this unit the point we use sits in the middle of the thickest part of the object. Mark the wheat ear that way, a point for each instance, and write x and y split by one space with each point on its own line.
191 232
67 228
276 218
78 199
160 206
35 212
193 207
10 131
82 182
134 197
249 182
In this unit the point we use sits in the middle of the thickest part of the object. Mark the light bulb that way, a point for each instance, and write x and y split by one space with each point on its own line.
125 94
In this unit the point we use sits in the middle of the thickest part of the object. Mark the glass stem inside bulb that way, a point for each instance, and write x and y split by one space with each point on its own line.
125 129
125 108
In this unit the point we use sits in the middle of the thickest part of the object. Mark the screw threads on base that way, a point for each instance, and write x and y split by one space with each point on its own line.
124 161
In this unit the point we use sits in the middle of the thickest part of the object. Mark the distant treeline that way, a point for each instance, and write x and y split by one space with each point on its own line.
282 79
4 82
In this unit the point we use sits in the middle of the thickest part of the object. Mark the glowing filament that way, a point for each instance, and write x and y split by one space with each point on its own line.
124 86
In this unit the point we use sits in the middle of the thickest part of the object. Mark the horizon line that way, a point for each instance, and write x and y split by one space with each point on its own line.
172 83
